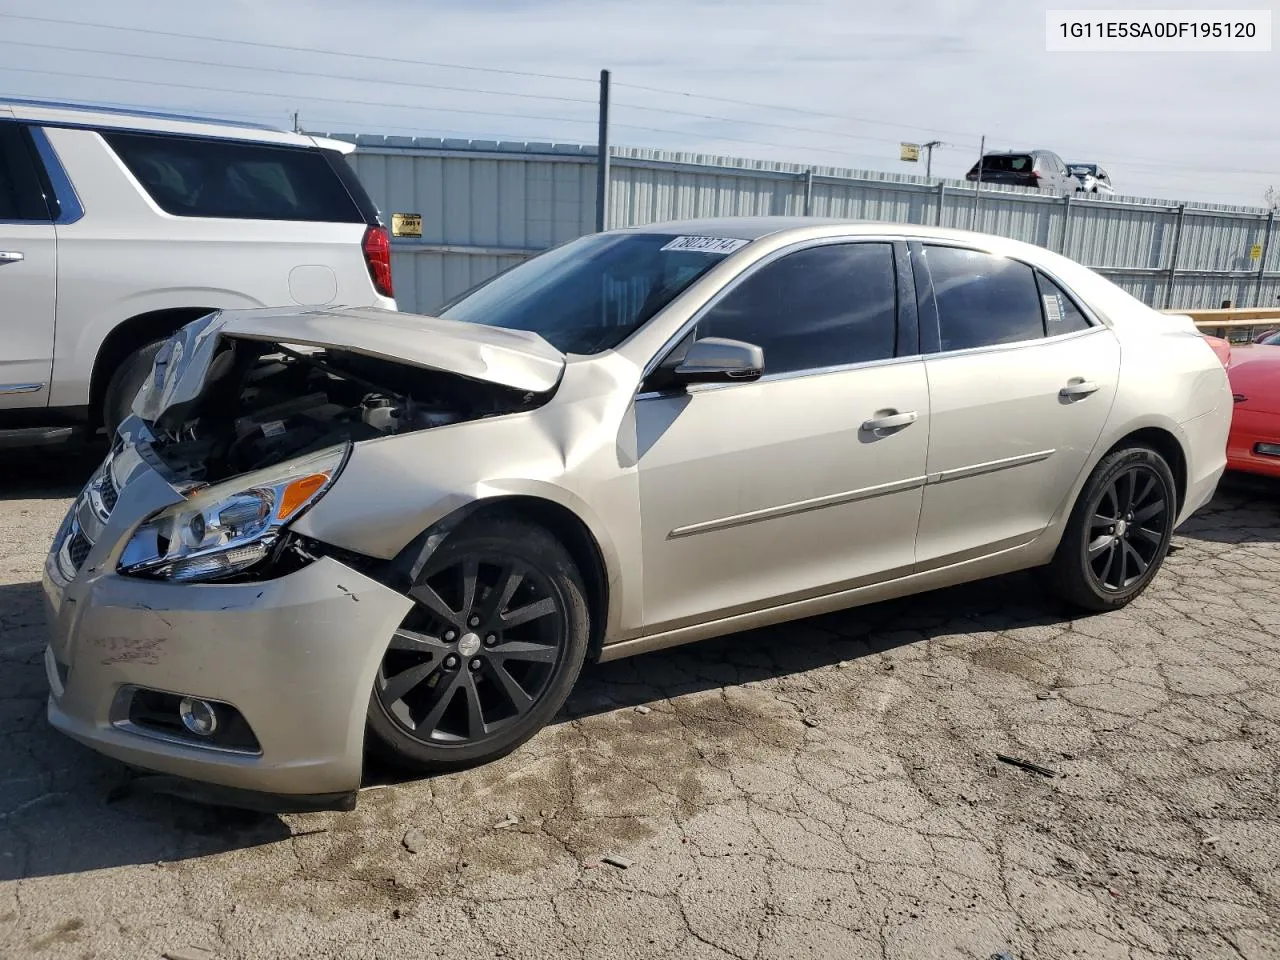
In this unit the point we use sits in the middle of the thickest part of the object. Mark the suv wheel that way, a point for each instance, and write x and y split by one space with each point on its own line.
117 401
488 654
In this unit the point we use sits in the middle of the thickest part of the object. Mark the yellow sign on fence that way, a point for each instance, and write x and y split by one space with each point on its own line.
406 224
1255 252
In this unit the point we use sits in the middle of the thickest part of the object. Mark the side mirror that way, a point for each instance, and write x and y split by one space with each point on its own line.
719 360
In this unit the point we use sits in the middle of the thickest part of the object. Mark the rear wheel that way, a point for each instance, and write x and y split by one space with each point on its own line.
1119 531
488 654
117 401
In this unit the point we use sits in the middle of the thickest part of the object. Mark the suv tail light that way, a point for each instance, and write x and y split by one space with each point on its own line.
377 254
1035 175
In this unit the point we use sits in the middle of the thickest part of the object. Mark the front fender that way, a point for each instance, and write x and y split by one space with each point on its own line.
396 488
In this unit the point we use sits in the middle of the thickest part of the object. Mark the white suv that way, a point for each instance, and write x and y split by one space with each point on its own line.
117 227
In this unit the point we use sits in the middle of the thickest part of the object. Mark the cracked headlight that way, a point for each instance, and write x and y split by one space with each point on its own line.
228 527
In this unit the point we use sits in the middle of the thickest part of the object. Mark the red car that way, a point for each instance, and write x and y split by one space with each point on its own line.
1254 372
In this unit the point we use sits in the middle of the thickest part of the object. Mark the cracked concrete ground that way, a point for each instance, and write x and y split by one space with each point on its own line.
827 788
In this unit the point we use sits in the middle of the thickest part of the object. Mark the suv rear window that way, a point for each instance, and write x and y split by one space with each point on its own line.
196 177
1009 163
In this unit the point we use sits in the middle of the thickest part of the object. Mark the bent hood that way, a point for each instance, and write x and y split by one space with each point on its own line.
510 358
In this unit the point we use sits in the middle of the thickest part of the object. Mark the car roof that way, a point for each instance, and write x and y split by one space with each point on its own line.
1105 298
754 228
67 114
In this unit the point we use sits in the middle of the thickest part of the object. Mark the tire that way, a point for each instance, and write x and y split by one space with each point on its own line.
1104 565
526 669
117 401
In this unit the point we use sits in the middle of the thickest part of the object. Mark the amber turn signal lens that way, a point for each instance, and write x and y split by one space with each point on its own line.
298 492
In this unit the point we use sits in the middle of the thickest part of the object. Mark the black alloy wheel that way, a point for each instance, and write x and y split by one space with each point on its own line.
1119 531
489 652
1128 528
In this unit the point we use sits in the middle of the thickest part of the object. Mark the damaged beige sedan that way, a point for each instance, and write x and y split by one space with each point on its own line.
330 530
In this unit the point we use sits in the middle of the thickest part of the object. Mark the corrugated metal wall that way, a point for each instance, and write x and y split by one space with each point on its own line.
486 205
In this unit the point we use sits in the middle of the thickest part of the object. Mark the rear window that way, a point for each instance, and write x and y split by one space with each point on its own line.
1009 163
196 177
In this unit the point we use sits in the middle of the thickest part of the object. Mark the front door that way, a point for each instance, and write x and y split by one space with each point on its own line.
28 273
1020 390
758 493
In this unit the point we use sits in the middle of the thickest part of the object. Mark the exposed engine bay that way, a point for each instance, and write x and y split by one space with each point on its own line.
263 403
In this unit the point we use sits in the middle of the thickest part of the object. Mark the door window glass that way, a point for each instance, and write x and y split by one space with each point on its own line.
20 195
982 299
1061 315
824 306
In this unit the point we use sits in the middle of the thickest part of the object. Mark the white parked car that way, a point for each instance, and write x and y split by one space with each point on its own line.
117 228
1093 179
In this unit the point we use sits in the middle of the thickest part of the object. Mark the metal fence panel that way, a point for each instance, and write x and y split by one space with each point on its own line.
486 205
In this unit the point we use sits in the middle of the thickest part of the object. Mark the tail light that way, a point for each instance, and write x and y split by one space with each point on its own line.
1035 175
377 254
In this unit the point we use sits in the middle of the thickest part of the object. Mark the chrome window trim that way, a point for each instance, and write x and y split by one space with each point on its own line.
750 270
1012 345
788 375
70 209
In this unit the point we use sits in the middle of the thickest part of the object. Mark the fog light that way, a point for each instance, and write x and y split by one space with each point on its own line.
1267 449
198 717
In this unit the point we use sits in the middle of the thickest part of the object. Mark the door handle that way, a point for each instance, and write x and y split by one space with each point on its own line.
891 421
10 256
1078 388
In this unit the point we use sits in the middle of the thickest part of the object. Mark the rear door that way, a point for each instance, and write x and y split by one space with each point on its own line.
1020 383
28 274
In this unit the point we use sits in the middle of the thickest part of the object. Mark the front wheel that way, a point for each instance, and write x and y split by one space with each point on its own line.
1119 531
488 654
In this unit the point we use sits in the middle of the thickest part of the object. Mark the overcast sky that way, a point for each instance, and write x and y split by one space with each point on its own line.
855 78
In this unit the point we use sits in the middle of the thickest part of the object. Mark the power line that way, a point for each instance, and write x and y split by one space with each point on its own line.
293 49
456 66
408 106
798 110
436 86
758 123
291 96
299 73
1153 164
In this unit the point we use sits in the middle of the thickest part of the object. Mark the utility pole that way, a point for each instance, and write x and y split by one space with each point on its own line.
977 196
296 128
602 157
928 156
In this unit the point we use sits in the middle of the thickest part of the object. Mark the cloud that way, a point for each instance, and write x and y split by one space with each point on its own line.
1185 126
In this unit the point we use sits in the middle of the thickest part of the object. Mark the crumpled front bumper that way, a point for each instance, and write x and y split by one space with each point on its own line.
296 656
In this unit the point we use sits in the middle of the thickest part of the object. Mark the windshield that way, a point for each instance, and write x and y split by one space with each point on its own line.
589 295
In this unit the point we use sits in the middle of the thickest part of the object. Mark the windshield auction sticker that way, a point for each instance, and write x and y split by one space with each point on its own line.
706 244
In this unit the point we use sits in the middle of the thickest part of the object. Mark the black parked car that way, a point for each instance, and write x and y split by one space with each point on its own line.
1027 168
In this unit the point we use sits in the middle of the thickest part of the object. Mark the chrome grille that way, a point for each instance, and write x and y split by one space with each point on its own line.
78 549
109 493
89 515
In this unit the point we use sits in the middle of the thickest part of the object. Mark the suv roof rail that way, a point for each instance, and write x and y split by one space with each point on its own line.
135 112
